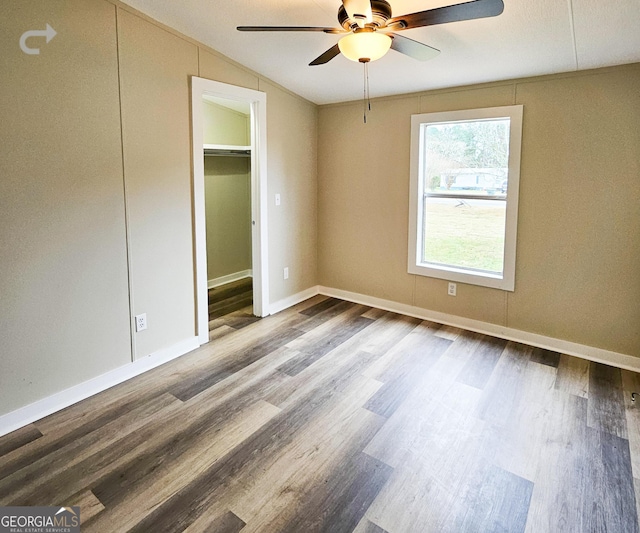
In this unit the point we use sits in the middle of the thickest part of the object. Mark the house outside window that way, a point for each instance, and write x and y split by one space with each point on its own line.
465 171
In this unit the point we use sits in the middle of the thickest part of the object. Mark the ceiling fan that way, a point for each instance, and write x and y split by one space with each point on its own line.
369 29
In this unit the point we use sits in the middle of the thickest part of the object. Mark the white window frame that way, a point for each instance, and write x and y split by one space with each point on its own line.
506 281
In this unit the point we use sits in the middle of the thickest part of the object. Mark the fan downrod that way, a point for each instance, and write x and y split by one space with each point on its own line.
380 9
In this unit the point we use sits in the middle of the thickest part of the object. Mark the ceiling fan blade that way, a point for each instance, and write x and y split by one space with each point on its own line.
476 9
411 48
290 28
326 57
359 11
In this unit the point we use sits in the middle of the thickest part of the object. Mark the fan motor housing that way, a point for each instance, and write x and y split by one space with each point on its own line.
380 9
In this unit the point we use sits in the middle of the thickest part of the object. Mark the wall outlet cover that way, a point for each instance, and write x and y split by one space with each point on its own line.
141 322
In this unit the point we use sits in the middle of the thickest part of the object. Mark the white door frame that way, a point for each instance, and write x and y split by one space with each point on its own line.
259 248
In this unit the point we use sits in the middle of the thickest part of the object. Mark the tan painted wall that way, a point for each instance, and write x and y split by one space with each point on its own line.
227 183
578 245
292 146
154 70
83 137
64 310
225 126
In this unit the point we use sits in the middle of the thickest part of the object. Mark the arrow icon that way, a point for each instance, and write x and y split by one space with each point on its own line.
49 33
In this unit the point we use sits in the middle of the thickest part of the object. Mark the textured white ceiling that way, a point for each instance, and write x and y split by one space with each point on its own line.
531 37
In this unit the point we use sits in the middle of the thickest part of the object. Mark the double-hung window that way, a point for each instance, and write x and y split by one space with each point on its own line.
465 170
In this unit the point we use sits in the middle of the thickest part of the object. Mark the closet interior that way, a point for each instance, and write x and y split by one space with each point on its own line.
227 175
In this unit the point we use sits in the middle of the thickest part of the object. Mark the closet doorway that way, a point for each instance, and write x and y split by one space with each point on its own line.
229 162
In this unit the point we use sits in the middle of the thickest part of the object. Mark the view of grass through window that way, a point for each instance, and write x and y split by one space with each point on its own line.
466 180
469 234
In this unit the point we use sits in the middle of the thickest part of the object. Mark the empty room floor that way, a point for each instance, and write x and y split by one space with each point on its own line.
332 416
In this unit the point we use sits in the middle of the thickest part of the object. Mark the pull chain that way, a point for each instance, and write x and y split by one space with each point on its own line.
366 71
364 90
366 99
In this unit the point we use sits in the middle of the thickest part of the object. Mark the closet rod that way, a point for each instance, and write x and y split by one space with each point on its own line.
229 150
215 152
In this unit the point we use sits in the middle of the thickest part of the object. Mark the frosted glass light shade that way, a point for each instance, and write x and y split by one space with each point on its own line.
364 45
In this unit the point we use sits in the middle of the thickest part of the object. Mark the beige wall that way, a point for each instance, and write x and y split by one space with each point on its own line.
225 126
578 246
64 310
154 71
227 184
95 191
292 155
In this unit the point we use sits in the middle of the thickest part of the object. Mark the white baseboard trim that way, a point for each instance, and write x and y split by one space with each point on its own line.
599 355
60 400
222 280
290 301
37 410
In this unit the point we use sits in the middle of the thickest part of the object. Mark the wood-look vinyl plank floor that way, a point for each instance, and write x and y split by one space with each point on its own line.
337 417
630 384
87 501
606 406
19 439
367 526
59 466
235 298
573 376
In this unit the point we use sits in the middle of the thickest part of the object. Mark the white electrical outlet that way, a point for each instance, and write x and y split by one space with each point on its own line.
286 272
452 289
277 199
141 322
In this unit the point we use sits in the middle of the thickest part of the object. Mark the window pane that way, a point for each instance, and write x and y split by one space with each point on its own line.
465 233
464 163
470 158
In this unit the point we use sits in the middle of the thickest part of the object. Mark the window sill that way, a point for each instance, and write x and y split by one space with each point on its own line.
471 277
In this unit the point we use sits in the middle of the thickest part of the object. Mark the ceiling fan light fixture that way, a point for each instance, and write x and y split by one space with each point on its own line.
364 46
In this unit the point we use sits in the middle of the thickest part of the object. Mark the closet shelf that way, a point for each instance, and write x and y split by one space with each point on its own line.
228 150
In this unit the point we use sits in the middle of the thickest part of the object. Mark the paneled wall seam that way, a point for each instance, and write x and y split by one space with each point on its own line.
124 199
573 33
125 7
63 260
